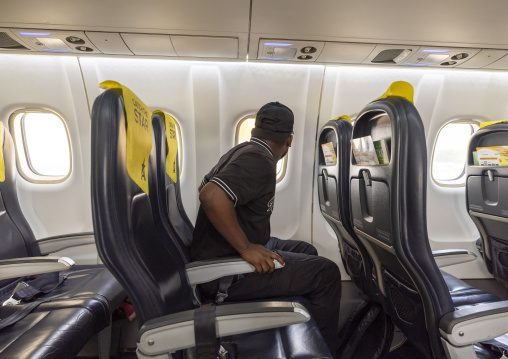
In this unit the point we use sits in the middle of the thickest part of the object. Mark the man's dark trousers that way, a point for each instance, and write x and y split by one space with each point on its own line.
305 274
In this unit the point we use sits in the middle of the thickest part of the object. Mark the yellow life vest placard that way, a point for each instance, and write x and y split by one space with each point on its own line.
139 134
171 157
485 124
2 162
399 88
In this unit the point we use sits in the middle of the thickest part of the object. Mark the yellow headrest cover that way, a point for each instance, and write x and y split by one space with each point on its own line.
172 144
345 117
485 124
399 88
2 163
139 134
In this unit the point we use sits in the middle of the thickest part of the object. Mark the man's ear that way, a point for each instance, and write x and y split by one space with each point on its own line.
289 141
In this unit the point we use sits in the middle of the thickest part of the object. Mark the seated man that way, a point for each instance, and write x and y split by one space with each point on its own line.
237 198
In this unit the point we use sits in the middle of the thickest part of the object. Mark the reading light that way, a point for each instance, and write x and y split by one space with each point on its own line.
35 33
276 44
272 58
416 64
436 51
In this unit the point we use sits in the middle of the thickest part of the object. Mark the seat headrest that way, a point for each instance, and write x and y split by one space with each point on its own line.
172 144
2 161
399 88
485 124
139 134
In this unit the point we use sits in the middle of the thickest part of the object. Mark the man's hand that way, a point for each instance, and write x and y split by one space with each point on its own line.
261 258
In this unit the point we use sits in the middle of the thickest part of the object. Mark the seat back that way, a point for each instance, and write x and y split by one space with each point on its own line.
167 194
129 243
487 199
388 209
334 200
17 239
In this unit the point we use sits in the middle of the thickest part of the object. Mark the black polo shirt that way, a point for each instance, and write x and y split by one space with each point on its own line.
246 173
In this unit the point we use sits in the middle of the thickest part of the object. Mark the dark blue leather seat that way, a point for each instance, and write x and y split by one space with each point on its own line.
89 291
134 245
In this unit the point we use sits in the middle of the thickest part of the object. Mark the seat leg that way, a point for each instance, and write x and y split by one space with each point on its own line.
104 341
453 352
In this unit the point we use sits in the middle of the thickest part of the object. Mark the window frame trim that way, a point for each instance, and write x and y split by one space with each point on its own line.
468 121
36 178
285 159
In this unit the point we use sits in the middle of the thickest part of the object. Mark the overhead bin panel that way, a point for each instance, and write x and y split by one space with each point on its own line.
483 58
345 53
440 56
291 50
55 40
109 43
149 45
200 46
501 64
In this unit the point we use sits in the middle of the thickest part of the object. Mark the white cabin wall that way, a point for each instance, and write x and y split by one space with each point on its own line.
53 83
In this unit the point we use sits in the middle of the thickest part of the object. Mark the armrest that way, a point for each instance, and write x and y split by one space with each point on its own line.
475 324
449 257
20 267
174 332
58 243
205 271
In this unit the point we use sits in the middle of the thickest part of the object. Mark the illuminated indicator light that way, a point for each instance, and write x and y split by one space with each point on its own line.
272 58
50 50
416 64
436 51
35 33
276 44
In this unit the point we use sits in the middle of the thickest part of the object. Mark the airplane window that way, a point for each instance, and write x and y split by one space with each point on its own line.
450 151
243 131
42 146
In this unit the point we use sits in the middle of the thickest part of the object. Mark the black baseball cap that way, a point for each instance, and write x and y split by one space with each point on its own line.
274 121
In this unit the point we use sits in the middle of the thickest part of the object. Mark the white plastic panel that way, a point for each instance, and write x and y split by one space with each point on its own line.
154 45
109 43
197 46
501 64
345 53
53 83
484 58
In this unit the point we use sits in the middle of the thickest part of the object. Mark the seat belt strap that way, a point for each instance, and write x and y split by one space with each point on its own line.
222 292
205 333
25 291
19 314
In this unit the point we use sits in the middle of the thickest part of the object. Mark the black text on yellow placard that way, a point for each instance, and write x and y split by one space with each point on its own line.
139 134
172 154
2 163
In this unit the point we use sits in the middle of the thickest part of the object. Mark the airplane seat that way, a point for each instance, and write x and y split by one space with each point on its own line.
334 201
168 196
85 299
388 209
487 198
151 269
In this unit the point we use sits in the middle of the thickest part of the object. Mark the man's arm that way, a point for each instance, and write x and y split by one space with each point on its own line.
220 211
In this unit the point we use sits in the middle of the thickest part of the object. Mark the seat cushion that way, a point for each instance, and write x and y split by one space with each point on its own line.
464 294
57 334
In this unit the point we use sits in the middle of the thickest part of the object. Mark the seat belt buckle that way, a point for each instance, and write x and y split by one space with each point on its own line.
220 297
223 353
12 300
